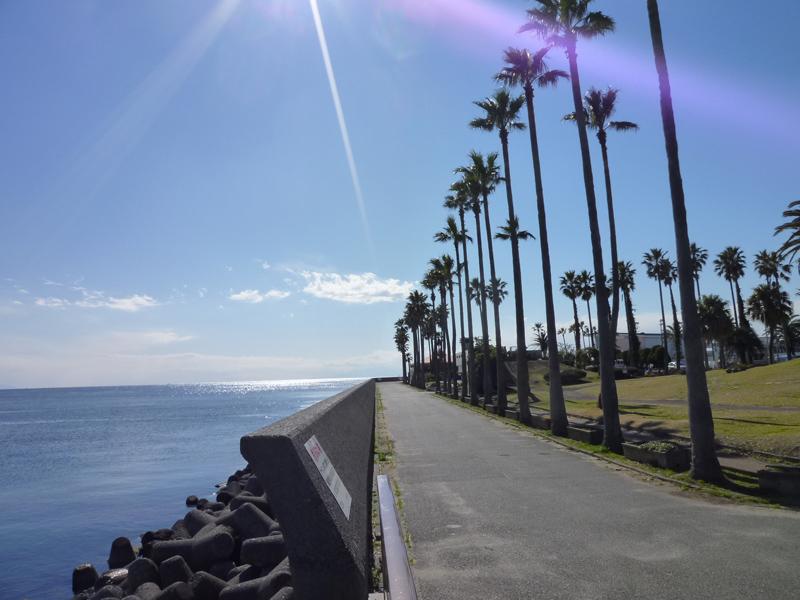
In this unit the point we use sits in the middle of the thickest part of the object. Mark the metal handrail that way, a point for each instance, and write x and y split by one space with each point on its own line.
398 581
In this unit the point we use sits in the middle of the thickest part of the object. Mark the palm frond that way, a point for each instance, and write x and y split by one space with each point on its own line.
623 126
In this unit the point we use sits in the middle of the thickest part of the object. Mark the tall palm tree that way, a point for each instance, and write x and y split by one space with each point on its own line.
501 113
451 233
705 464
528 70
562 22
459 201
772 306
653 263
484 174
586 285
448 268
730 264
563 333
599 106
401 342
669 274
772 267
443 278
697 259
416 310
430 282
496 291
627 283
791 247
571 288
716 322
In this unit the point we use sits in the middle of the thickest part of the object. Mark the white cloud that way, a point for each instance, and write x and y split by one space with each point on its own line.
265 265
257 297
354 288
97 299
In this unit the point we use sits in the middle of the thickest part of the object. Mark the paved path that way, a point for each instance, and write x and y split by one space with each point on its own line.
497 513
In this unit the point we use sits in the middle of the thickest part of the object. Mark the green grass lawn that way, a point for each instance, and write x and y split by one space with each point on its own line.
758 408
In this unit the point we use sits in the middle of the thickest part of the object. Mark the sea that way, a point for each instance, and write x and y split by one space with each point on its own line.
82 466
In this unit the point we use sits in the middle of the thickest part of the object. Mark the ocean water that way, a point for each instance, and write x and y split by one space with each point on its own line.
82 466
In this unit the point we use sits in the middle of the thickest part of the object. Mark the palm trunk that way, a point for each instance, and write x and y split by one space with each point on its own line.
578 330
422 357
612 235
473 394
463 393
676 329
523 385
771 338
558 411
633 340
445 340
740 304
612 436
433 346
453 336
734 307
487 385
663 324
697 283
705 465
404 368
500 367
591 325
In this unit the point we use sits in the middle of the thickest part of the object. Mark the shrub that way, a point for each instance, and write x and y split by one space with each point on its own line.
569 376
656 446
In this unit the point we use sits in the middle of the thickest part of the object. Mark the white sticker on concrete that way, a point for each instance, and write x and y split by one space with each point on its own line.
329 474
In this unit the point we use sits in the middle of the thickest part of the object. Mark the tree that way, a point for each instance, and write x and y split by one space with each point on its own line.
401 343
670 275
697 258
563 332
705 465
772 306
442 272
501 113
598 107
571 288
448 269
772 267
586 286
458 201
430 282
716 322
562 22
540 336
451 233
485 174
791 247
416 310
528 70
730 265
653 263
627 283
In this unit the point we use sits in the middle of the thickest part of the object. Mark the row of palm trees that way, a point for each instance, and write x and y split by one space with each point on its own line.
561 24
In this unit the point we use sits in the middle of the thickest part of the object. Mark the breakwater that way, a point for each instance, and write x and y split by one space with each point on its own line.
295 524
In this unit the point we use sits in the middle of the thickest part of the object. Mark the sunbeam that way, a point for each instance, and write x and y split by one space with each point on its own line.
337 103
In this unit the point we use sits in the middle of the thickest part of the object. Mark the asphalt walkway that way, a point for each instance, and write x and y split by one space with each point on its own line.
497 513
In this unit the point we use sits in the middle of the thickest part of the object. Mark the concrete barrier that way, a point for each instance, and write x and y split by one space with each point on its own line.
316 468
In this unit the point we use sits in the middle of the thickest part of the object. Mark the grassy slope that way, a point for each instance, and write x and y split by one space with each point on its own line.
758 408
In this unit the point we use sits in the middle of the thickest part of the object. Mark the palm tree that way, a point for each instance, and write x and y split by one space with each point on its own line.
790 248
598 107
496 291
653 263
772 267
705 465
716 322
448 266
527 69
563 333
401 342
697 259
416 309
570 287
772 306
430 282
484 174
562 22
459 201
730 264
669 274
502 114
625 275
586 285
444 278
451 233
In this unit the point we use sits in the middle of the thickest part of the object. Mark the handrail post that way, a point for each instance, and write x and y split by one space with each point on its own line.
397 577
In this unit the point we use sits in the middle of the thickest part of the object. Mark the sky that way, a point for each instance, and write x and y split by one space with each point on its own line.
216 190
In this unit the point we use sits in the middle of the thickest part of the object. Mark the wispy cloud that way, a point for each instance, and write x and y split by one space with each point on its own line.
97 299
257 297
353 288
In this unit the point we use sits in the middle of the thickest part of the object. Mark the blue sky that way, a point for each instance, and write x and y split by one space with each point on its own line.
176 203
